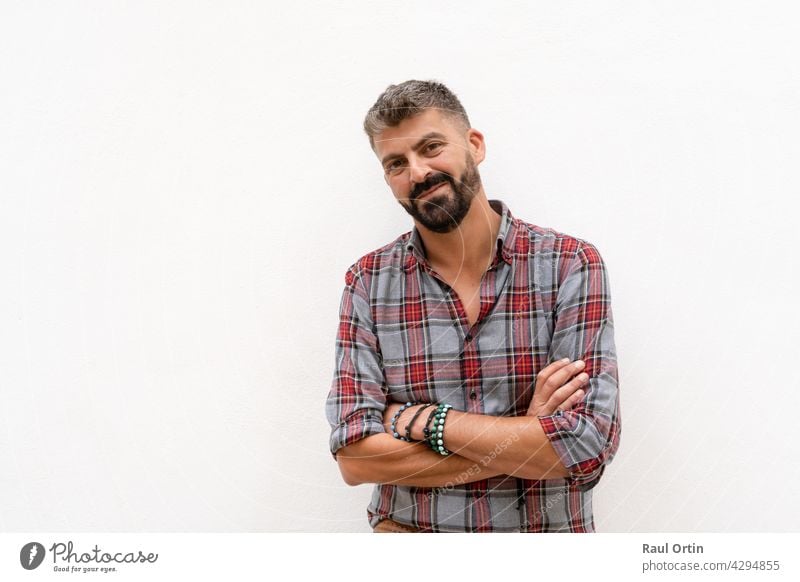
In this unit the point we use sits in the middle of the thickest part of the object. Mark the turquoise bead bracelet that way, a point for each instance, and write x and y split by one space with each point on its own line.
436 439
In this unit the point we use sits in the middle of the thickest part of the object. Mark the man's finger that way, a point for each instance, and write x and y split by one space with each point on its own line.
560 377
561 395
572 401
550 369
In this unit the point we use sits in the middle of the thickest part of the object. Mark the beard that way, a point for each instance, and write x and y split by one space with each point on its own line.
443 213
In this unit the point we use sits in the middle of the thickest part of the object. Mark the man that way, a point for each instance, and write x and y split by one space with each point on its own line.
508 323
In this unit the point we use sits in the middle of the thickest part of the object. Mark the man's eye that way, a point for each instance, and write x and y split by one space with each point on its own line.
433 146
394 166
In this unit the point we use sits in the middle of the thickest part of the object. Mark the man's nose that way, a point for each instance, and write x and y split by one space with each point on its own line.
418 170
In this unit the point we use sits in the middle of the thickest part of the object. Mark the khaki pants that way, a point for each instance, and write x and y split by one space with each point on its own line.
390 526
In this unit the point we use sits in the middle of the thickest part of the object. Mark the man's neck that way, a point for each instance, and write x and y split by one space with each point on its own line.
471 247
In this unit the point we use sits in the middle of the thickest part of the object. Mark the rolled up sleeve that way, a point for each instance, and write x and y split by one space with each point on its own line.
357 398
586 437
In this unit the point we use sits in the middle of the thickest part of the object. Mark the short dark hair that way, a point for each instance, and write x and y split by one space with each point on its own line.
399 102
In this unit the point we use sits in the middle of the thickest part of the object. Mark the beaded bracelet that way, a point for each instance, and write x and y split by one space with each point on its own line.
413 420
436 440
426 432
397 414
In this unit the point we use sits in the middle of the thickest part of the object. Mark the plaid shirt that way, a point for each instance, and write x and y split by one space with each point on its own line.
403 336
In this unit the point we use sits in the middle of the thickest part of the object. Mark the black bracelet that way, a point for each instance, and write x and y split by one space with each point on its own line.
426 432
397 414
413 420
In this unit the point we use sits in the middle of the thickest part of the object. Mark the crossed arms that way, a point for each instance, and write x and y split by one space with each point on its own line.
485 446
571 428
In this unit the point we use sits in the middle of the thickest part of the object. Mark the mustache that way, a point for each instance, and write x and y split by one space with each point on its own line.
434 180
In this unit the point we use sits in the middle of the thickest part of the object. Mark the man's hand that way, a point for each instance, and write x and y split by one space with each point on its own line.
555 390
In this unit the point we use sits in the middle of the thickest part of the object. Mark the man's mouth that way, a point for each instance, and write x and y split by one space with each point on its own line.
430 191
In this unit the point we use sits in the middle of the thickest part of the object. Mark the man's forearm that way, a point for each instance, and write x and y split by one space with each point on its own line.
514 446
381 458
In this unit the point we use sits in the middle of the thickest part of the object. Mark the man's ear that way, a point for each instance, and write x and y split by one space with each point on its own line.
476 144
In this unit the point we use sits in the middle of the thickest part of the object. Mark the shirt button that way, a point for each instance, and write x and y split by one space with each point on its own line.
468 337
473 395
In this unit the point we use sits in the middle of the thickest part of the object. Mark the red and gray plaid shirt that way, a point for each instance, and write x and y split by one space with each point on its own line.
403 336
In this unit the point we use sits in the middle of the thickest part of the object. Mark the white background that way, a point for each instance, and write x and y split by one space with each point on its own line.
184 184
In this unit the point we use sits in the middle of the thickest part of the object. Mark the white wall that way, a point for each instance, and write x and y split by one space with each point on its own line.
183 186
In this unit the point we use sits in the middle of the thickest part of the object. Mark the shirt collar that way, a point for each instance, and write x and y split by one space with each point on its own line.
505 237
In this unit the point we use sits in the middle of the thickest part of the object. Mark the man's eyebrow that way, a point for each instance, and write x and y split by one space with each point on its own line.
416 146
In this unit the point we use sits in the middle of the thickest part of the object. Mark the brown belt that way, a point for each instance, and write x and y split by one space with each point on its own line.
391 526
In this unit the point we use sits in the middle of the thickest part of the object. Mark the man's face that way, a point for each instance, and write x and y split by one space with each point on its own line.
430 163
